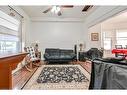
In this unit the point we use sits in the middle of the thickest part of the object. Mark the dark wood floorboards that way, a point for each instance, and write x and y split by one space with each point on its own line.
22 76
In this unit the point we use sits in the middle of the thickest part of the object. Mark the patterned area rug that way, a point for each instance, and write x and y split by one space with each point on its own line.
59 77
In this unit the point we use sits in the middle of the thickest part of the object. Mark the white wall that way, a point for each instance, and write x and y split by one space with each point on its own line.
95 29
56 34
100 14
114 26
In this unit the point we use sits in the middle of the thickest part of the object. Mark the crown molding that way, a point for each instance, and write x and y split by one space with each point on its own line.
56 19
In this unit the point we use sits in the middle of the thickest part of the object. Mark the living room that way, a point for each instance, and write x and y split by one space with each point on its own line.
70 32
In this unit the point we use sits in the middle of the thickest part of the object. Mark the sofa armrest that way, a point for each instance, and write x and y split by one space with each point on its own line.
46 55
73 55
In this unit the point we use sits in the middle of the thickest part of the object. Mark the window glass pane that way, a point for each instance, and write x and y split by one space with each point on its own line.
121 33
122 41
9 43
8 46
4 37
121 37
107 43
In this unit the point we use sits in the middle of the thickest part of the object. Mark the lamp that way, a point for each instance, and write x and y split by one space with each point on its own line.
81 46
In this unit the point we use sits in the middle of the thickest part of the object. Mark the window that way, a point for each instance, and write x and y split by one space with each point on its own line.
8 43
107 43
121 37
107 40
9 34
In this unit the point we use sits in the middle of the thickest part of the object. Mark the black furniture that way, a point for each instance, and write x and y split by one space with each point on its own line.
125 46
91 54
109 73
118 47
59 55
82 56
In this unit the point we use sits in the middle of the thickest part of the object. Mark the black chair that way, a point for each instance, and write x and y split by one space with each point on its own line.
118 47
93 53
125 46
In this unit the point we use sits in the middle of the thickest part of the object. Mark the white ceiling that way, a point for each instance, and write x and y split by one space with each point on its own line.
37 11
119 18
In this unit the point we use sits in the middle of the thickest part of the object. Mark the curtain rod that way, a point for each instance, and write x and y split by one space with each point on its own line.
15 11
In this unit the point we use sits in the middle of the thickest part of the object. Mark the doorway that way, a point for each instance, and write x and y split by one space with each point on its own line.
112 31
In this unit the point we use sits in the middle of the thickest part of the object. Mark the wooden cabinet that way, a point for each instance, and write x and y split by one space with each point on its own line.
7 64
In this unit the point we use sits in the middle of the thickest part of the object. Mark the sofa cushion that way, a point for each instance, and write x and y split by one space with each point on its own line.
65 57
65 51
53 57
66 54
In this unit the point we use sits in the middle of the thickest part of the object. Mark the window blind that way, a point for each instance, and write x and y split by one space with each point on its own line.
10 36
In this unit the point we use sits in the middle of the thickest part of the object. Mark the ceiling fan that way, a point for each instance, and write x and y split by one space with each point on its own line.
57 9
87 8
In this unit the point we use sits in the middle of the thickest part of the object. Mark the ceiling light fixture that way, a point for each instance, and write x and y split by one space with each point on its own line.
55 9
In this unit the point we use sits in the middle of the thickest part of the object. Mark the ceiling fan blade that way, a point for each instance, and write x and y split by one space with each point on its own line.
87 7
67 6
59 13
47 10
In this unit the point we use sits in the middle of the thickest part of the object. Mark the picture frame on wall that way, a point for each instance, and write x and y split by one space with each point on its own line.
94 36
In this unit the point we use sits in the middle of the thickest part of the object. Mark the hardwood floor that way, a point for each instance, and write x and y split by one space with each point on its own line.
86 65
21 77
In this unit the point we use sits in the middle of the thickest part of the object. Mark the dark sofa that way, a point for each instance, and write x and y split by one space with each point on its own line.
109 73
59 55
